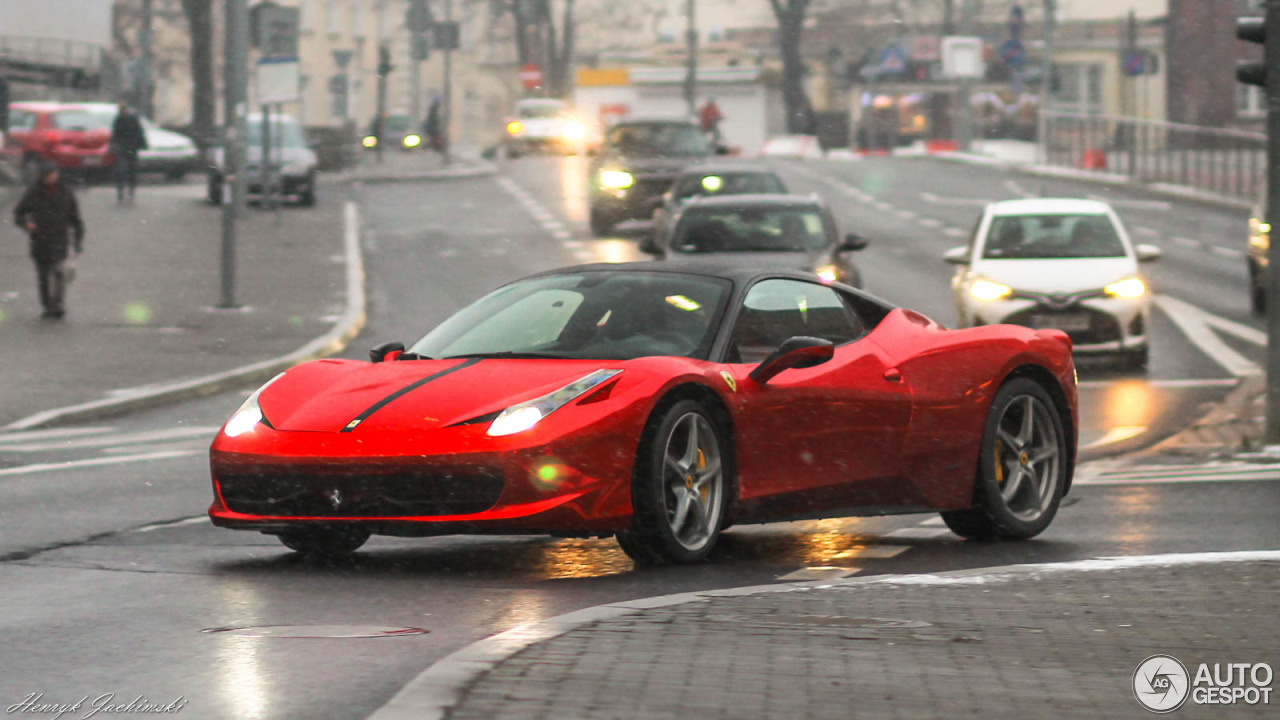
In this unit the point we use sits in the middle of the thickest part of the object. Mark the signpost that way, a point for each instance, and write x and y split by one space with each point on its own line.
531 76
962 60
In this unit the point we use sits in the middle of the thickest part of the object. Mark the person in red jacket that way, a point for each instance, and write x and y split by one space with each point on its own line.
709 118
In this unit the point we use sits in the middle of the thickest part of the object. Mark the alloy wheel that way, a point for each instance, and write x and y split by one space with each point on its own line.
692 481
1027 457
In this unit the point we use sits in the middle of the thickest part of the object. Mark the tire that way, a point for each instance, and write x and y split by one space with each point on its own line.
1036 483
324 541
308 198
680 488
601 223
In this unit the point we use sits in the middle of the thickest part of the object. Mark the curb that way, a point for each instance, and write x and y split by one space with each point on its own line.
349 325
1164 190
434 692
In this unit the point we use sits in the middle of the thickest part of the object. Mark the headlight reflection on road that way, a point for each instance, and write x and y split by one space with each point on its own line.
1128 409
570 559
238 659
573 186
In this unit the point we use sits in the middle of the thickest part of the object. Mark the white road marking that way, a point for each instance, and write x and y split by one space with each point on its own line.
956 232
939 200
1196 325
193 520
1187 241
1226 251
931 223
96 462
905 214
1134 204
1186 383
919 533
1156 474
820 572
113 440
934 522
30 435
572 244
882 205
1014 187
1147 232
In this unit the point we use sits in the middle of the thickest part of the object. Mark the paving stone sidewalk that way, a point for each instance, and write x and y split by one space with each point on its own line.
141 310
1024 644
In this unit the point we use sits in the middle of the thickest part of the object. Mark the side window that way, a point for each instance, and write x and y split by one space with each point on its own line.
775 310
21 121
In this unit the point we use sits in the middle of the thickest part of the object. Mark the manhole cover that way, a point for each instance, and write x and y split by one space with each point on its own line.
317 631
830 621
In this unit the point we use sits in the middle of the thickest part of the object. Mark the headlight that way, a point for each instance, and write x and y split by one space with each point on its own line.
712 183
573 131
828 273
616 179
249 414
412 141
1127 288
515 127
369 141
988 290
519 418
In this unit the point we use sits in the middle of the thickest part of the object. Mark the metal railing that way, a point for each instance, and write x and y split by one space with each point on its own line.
1220 161
48 51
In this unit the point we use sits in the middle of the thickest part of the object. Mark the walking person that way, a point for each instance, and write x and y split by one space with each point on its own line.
431 128
51 217
127 140
709 118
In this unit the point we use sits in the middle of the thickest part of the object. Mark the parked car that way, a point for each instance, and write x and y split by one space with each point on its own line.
788 232
77 138
637 163
1057 263
543 125
293 162
711 180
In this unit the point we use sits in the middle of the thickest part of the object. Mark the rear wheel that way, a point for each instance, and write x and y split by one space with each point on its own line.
680 488
1022 467
324 541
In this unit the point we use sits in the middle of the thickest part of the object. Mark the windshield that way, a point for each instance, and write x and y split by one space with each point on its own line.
540 111
286 133
594 315
1020 237
737 183
750 229
84 119
397 124
658 140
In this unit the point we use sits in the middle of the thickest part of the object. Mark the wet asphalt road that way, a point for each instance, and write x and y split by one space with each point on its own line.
96 597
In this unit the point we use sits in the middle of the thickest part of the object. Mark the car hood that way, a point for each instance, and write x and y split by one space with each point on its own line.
328 395
1063 275
159 139
639 165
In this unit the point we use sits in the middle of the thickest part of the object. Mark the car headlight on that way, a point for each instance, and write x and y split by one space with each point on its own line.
411 141
616 179
525 415
515 127
249 415
1127 288
828 273
573 131
370 141
989 290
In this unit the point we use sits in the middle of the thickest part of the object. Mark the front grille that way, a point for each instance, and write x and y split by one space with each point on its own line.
1101 326
342 495
651 186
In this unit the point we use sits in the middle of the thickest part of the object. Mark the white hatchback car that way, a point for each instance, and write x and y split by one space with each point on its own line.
1057 263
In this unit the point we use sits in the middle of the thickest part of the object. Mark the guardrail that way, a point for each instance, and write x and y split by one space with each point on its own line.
48 51
1220 161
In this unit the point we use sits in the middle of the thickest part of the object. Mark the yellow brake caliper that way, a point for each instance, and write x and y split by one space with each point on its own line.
704 491
999 461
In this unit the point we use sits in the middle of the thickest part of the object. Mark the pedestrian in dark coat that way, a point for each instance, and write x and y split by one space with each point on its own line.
51 217
128 138
431 128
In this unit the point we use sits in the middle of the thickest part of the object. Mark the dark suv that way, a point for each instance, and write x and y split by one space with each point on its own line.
636 165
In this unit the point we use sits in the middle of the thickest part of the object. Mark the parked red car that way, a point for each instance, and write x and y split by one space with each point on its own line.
73 136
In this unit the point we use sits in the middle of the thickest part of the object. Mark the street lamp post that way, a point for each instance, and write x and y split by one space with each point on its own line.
233 180
691 64
1046 82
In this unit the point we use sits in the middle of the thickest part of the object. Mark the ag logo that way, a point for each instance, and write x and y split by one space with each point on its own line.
1161 683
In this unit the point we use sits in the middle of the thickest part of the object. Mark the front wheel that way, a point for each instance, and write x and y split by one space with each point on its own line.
324 541
680 488
1022 467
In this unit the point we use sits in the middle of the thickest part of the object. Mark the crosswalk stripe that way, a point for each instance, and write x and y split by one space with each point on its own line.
95 462
29 435
821 572
111 440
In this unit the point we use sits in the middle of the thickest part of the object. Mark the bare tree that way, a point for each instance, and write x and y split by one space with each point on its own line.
790 15
199 14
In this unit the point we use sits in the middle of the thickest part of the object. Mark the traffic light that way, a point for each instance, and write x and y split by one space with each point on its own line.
1254 30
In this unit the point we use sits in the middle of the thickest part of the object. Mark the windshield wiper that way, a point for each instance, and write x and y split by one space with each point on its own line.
507 355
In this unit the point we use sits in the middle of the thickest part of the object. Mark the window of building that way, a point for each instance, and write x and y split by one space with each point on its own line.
333 16
1250 102
1079 87
357 18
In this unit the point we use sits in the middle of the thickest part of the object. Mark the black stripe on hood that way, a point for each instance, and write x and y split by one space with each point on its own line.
406 389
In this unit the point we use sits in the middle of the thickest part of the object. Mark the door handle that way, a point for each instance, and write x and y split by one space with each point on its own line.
893 375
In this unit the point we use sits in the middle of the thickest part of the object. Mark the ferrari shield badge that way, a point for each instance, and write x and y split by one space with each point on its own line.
728 379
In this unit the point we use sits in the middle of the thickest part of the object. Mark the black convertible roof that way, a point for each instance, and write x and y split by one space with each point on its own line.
761 200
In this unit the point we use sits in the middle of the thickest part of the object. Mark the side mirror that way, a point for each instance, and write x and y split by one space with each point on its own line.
386 351
957 256
852 243
796 352
1147 253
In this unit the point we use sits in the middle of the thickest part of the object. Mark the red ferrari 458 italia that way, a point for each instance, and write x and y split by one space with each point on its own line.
658 405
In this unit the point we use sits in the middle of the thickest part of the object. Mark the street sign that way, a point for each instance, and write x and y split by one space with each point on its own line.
1013 53
277 80
273 29
962 57
893 59
1135 63
530 76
